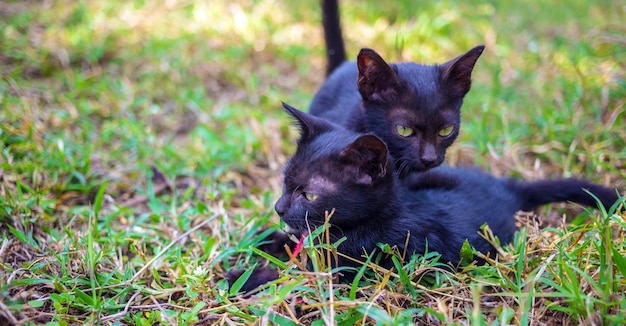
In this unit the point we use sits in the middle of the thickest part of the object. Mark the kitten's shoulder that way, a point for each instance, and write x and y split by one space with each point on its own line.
439 178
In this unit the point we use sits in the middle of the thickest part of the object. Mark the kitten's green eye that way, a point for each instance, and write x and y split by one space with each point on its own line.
310 197
446 131
404 131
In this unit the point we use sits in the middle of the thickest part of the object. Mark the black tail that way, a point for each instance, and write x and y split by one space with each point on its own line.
573 190
335 50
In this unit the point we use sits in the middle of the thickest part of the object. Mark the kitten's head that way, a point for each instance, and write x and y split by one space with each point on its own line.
333 169
414 108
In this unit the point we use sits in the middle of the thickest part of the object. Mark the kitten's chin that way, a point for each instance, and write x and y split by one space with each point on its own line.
300 228
405 169
297 226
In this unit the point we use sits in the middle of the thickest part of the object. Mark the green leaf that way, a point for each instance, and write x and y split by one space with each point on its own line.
21 236
376 313
285 289
348 319
404 277
386 248
280 320
241 280
30 281
196 309
82 296
99 199
506 316
620 261
355 282
157 277
276 319
467 252
318 322
269 257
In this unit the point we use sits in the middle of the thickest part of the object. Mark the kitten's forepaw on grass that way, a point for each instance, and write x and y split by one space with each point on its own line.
275 244
259 276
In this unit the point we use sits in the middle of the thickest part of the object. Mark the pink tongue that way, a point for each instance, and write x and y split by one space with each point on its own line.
298 247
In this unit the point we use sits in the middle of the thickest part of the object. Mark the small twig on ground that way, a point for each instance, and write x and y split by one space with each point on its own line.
5 244
163 314
7 313
123 312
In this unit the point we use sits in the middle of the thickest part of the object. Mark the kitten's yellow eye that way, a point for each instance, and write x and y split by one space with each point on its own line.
310 197
404 131
446 131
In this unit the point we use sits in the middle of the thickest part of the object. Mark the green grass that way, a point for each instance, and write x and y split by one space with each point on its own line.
141 147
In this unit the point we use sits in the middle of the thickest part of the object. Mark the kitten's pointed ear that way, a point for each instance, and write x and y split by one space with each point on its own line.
456 74
376 78
309 125
366 159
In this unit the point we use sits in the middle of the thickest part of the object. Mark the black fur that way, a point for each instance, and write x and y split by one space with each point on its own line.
259 276
351 173
370 95
335 49
440 208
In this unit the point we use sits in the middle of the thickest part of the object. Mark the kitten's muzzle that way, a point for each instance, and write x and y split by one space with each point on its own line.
281 206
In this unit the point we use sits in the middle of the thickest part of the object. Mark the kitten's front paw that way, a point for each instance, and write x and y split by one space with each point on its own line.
259 276
275 243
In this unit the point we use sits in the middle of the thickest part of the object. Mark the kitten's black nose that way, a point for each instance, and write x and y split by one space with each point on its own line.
281 206
429 160
429 155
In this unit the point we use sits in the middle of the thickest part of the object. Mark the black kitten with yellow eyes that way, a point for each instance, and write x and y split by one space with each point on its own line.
414 108
351 175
